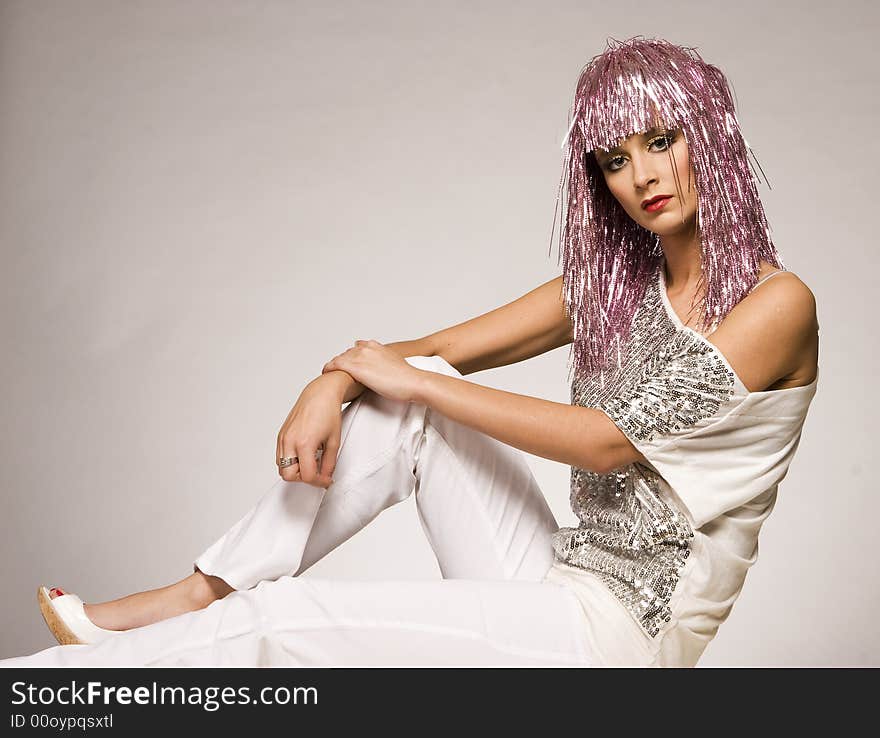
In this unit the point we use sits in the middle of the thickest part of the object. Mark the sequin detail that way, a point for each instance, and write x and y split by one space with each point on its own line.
682 383
669 379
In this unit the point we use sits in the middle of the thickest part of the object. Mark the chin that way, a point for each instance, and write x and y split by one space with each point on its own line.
662 229
670 225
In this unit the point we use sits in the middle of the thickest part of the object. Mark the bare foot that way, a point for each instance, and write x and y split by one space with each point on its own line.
196 591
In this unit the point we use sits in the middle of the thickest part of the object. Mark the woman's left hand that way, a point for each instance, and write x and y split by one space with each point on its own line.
379 368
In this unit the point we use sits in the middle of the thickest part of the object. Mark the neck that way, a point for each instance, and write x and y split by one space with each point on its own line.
682 255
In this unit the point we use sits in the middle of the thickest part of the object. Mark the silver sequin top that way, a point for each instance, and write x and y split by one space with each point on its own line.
632 535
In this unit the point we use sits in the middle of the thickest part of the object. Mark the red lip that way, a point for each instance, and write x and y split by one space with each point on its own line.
654 199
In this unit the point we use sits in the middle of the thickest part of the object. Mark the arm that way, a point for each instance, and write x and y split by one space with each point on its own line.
348 388
530 325
578 436
764 338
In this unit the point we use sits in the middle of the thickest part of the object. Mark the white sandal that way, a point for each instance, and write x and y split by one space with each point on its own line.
68 621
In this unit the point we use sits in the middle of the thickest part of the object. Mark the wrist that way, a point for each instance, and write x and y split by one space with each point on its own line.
335 382
422 387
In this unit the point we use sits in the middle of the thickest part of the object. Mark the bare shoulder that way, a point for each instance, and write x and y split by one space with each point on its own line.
789 299
771 337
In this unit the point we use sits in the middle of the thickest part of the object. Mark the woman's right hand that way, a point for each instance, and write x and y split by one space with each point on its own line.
311 432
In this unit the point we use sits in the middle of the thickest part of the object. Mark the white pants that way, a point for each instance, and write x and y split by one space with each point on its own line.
485 518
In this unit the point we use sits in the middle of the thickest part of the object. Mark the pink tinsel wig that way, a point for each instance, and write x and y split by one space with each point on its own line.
607 257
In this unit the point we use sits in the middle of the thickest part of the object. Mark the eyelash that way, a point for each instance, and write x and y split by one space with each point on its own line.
668 137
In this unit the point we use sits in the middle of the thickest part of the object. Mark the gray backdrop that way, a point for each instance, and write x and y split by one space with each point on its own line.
202 202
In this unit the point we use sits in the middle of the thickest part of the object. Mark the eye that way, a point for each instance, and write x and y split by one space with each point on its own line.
666 140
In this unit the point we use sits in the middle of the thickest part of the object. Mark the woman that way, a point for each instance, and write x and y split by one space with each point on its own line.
695 361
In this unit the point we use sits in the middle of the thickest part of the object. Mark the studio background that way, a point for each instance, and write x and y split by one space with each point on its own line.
201 203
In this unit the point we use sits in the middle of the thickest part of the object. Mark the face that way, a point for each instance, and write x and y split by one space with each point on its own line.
640 168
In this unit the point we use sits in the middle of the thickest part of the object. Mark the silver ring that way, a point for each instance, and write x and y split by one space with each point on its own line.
288 461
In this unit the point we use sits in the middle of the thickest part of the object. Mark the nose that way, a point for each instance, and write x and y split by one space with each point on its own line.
644 173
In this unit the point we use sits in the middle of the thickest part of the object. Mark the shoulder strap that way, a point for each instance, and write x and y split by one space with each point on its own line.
766 277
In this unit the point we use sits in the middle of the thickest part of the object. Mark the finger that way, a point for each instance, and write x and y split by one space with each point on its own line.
279 440
328 458
288 448
308 466
290 473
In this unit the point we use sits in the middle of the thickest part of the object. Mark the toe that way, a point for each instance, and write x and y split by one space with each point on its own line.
55 592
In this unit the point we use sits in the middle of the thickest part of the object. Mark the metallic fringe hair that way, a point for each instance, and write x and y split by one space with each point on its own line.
608 259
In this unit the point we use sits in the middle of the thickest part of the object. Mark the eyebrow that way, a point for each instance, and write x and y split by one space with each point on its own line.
644 134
